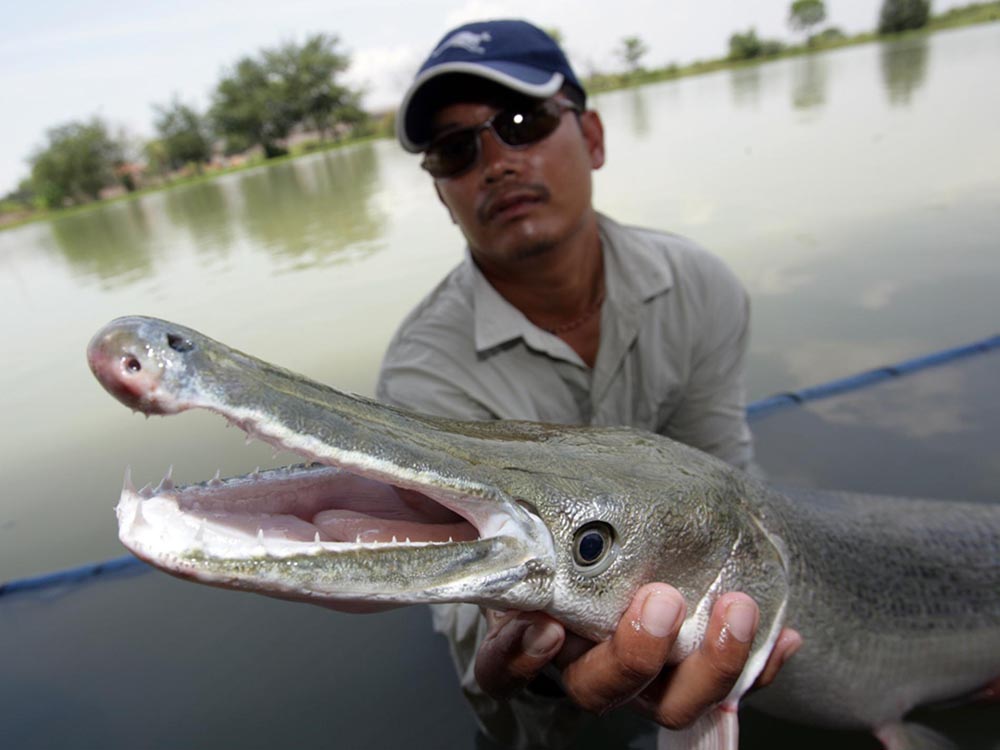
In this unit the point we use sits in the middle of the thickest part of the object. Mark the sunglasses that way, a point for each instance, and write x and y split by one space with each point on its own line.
456 152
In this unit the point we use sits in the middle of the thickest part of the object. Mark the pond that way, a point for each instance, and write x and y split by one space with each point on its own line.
856 193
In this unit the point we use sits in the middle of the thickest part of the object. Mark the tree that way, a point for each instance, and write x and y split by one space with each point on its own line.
748 46
183 135
78 162
250 109
263 98
903 15
805 14
631 52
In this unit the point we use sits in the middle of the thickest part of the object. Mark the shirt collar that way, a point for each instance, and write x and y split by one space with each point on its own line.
635 272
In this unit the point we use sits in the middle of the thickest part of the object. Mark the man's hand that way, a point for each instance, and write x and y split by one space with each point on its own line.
631 666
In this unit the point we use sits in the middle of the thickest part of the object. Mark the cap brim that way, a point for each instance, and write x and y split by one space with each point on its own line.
413 123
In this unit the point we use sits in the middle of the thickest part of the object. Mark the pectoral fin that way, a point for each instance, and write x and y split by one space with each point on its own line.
716 730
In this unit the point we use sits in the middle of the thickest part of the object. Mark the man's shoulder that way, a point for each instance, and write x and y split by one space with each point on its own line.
446 309
689 262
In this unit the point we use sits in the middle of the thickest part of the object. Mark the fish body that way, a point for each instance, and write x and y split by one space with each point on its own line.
897 600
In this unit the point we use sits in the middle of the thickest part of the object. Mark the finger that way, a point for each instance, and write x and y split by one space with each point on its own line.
708 675
789 641
613 672
515 650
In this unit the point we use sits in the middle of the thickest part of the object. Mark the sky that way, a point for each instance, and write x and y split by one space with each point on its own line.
68 60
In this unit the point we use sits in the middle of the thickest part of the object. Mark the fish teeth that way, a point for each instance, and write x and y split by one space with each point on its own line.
216 481
147 490
127 485
167 483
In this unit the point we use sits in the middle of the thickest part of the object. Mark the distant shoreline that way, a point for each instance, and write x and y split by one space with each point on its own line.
599 83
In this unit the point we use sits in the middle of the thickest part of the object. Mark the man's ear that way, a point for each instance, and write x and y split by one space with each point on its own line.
593 135
437 190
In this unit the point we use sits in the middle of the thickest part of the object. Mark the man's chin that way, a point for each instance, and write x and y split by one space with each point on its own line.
535 250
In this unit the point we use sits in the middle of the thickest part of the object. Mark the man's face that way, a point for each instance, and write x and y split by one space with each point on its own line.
516 203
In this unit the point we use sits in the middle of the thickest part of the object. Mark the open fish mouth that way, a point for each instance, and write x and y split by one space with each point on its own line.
277 511
357 522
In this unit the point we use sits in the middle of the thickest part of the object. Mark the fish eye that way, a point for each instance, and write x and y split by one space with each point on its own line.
592 543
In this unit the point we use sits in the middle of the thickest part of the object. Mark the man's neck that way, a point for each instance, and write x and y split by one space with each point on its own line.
559 289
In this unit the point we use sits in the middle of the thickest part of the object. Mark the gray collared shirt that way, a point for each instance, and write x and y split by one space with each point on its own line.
674 330
674 333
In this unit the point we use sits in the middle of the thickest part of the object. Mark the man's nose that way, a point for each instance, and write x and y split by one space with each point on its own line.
499 159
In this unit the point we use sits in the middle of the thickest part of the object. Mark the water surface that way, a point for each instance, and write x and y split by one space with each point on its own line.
856 193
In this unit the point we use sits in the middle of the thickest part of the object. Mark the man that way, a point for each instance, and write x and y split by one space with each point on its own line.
559 314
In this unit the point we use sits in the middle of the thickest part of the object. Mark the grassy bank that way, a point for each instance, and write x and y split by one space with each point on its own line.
14 216
965 16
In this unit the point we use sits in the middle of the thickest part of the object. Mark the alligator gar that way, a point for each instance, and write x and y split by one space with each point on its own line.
898 600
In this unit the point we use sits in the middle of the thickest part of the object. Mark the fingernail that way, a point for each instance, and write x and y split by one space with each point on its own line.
741 620
540 638
659 614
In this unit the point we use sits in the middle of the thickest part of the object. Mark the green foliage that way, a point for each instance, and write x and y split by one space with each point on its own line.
828 36
903 15
805 14
264 97
967 14
631 52
78 162
183 136
748 46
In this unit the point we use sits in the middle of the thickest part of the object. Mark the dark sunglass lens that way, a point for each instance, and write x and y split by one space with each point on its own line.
519 128
451 154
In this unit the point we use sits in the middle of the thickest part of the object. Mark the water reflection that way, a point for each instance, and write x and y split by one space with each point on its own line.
640 112
204 211
904 67
313 209
809 81
113 243
744 85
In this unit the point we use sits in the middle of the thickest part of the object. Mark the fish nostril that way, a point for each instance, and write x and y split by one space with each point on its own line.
179 343
131 363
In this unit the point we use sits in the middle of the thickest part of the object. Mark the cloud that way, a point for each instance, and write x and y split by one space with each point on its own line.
384 73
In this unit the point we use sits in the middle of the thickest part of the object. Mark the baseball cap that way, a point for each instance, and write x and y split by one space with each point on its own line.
513 54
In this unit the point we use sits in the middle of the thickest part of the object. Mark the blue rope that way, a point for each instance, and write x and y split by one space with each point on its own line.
864 379
73 576
755 410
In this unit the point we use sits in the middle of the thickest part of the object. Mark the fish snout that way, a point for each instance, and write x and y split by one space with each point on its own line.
130 367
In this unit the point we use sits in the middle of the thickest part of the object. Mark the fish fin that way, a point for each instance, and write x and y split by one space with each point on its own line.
717 730
911 736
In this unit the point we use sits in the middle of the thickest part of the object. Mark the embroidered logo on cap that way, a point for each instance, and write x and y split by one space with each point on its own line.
467 40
